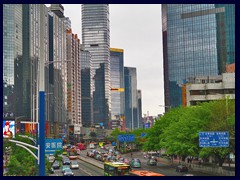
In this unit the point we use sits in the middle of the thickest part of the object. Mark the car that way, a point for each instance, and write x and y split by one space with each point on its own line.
56 165
152 162
121 160
65 167
51 158
68 172
66 161
182 168
126 161
91 146
74 165
135 163
97 156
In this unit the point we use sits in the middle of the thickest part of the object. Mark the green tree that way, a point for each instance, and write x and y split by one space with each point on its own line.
21 162
178 130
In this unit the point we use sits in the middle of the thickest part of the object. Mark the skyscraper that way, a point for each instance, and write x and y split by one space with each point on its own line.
140 120
57 70
73 79
86 84
131 100
96 40
197 41
12 61
117 83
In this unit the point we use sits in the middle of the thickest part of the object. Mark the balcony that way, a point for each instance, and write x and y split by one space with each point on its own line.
197 98
214 96
214 86
197 87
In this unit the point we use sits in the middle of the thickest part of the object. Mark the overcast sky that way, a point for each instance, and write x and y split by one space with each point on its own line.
136 28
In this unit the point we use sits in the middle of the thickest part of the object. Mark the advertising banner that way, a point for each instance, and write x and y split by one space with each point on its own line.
76 129
8 129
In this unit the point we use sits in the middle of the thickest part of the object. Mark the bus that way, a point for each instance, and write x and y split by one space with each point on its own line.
144 173
116 169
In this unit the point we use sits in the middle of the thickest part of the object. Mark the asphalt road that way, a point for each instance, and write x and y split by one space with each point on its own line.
87 169
162 168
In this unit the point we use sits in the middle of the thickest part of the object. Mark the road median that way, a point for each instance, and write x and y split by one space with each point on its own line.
90 161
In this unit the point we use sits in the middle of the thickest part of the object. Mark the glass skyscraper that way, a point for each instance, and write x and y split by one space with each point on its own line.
12 60
140 121
197 41
131 99
96 40
86 93
117 83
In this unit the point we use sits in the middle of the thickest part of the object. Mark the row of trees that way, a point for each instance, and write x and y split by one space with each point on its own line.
178 130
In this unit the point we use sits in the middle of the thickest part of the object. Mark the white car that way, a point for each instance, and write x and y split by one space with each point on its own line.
91 146
74 165
51 158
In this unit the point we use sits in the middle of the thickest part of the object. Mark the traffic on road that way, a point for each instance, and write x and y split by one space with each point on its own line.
107 161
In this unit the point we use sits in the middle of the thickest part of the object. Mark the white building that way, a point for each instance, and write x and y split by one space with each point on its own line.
208 88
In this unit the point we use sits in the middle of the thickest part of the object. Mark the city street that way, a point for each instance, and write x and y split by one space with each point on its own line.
160 168
85 169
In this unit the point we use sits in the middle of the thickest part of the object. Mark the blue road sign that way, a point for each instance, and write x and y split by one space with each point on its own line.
214 139
126 138
51 145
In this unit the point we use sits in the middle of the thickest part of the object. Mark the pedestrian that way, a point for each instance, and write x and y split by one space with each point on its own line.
188 160
131 154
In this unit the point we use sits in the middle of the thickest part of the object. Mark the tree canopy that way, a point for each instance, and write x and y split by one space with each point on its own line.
178 130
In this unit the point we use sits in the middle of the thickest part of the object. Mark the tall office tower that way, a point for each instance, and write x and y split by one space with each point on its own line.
73 79
57 70
198 40
117 83
131 100
86 93
96 40
13 63
140 119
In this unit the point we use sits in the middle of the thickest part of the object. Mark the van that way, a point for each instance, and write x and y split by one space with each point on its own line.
91 146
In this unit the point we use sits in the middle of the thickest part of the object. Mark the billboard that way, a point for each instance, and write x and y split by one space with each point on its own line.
51 145
76 129
8 129
214 139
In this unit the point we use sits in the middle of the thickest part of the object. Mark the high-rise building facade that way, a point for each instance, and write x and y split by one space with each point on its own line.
131 100
197 41
57 71
86 86
117 83
12 61
73 79
140 120
96 40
